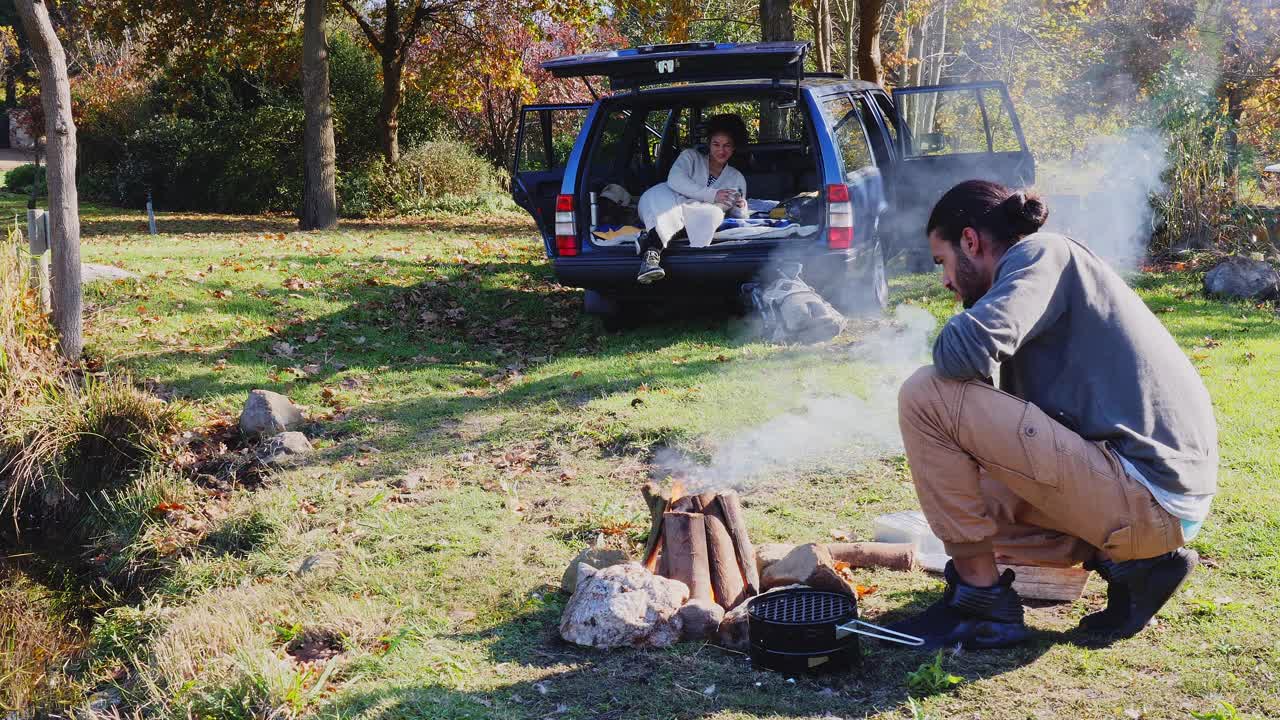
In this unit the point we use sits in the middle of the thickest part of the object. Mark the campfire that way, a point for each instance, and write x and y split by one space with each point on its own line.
701 540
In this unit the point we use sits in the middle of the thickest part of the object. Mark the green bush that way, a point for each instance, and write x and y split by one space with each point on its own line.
443 175
20 178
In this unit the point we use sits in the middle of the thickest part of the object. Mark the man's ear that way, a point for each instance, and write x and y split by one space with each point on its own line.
970 242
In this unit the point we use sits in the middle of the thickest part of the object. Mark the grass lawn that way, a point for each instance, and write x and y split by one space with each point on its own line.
440 349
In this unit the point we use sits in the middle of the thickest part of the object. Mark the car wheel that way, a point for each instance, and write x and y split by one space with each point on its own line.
865 291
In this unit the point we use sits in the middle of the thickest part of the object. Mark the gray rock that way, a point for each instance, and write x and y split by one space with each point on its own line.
268 413
89 272
323 560
699 619
285 449
595 557
623 606
1242 277
734 632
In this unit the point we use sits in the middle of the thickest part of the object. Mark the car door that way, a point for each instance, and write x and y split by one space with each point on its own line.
947 134
544 143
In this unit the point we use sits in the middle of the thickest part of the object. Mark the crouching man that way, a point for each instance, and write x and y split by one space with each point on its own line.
1099 446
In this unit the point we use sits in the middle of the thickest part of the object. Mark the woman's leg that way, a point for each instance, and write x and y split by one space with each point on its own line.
662 213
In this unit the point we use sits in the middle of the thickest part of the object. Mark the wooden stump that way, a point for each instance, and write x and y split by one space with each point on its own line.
684 538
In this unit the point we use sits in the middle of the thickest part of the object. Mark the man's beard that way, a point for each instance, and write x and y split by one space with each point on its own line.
968 282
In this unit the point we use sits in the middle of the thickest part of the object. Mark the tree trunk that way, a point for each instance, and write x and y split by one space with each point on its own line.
60 135
776 21
820 17
389 114
320 199
870 65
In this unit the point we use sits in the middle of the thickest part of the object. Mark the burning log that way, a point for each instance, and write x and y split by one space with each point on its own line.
726 577
657 501
684 538
691 539
731 508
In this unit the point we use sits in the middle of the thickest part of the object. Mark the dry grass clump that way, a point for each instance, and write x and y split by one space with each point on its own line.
63 435
35 641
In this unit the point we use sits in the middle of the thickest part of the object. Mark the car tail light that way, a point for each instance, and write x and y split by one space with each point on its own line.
839 217
566 227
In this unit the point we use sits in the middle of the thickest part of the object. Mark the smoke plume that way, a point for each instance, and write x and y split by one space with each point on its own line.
832 431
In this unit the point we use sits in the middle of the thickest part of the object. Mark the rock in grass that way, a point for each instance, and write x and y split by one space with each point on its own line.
323 560
1242 277
595 557
734 632
770 553
623 606
285 449
810 565
267 413
699 619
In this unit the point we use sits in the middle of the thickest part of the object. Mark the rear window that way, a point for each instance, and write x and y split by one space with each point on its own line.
766 121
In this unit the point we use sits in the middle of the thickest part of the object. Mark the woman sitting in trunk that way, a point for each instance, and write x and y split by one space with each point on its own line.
698 193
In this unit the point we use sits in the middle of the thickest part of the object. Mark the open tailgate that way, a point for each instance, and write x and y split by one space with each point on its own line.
686 62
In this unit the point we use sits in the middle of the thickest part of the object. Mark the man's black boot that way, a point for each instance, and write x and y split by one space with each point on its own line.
977 617
1137 589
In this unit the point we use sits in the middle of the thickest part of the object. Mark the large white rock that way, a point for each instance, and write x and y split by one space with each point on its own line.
268 413
623 606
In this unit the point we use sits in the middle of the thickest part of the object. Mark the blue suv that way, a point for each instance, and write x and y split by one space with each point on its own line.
842 173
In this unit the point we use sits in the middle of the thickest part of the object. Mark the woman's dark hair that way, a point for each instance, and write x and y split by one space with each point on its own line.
1007 215
728 124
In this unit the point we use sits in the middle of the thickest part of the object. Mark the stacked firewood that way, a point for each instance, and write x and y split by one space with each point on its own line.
701 540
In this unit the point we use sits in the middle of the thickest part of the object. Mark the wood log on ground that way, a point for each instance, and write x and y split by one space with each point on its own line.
657 501
731 508
892 556
684 536
726 576
1048 583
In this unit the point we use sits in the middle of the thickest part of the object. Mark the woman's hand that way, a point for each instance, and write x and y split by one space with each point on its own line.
742 202
724 197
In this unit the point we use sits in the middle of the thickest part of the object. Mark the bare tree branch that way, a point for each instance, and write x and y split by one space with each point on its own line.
370 34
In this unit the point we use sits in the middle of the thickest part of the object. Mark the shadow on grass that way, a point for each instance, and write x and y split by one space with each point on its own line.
459 336
123 222
691 680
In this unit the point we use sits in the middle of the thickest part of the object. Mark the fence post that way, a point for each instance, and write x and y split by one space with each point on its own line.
38 244
151 214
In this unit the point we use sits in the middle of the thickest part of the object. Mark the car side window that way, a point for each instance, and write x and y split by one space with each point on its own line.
890 115
849 135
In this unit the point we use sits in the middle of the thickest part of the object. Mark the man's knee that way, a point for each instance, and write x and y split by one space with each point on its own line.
919 389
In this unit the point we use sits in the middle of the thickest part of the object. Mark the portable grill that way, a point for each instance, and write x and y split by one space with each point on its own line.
807 630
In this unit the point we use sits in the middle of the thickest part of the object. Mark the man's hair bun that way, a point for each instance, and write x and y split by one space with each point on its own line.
1026 212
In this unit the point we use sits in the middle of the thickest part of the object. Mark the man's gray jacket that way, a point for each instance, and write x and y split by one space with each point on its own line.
1068 335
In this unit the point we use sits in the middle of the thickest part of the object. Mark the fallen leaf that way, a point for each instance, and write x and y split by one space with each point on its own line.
864 590
842 535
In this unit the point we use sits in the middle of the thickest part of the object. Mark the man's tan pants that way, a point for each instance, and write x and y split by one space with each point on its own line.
995 473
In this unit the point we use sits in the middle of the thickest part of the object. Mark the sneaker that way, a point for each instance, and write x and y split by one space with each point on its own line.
651 268
1137 589
977 617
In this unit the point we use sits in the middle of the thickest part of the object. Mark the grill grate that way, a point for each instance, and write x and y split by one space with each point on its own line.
803 607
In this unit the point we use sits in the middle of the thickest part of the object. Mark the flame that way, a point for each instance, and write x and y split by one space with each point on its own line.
678 490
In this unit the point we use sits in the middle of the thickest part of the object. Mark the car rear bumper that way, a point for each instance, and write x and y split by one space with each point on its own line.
701 272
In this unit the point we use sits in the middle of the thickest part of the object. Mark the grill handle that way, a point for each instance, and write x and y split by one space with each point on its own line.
861 627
